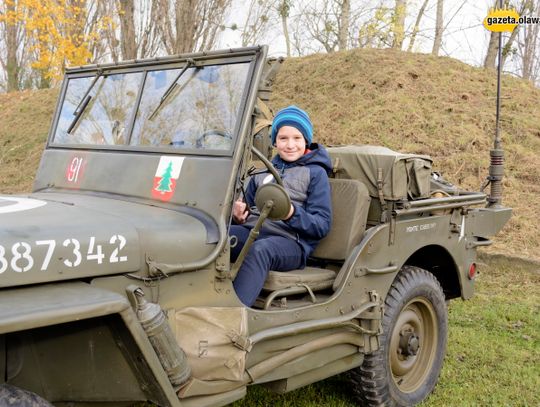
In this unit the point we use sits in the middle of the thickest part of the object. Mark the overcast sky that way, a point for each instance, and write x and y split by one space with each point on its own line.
465 37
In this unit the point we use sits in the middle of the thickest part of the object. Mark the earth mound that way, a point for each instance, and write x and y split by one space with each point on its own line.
405 101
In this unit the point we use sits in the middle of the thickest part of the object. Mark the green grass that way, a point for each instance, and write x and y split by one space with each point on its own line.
494 344
493 349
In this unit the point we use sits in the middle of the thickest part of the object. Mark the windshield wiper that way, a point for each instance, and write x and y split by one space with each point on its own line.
81 107
189 63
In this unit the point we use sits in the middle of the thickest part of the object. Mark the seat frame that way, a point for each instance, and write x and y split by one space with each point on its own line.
350 203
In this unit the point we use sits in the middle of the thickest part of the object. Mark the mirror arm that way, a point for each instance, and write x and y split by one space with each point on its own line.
253 234
267 164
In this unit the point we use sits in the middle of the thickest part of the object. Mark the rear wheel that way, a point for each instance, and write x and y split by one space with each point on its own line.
406 367
11 396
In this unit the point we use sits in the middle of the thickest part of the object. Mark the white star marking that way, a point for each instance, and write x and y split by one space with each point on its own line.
19 205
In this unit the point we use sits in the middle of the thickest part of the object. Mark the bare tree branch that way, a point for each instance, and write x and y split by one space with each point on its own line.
438 29
417 25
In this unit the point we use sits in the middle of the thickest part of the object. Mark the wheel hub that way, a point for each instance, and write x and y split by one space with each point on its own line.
409 343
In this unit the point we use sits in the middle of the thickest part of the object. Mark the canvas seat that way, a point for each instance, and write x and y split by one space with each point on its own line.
350 206
316 278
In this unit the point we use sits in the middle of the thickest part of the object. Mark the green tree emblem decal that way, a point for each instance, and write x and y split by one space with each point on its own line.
165 183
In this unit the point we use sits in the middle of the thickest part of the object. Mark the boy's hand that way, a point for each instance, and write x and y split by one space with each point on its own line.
291 213
240 212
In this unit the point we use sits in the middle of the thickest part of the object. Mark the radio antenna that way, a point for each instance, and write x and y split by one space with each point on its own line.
496 154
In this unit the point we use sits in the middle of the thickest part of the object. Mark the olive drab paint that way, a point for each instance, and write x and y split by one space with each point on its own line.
115 277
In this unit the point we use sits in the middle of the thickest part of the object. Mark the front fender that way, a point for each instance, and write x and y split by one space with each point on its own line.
51 304
47 306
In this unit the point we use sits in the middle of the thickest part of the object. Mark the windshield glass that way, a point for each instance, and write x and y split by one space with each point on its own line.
195 110
105 118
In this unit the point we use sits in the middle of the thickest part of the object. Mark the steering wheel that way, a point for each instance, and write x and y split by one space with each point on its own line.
200 141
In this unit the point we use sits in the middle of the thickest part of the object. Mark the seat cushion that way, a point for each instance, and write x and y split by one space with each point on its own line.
350 207
314 278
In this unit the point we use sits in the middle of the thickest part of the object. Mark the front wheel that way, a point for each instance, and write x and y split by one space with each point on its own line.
405 368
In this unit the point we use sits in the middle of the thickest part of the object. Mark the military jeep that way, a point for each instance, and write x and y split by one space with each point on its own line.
116 283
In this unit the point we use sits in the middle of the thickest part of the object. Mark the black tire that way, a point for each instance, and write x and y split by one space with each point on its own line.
11 396
405 368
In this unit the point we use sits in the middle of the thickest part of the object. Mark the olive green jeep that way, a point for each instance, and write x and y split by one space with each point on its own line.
116 283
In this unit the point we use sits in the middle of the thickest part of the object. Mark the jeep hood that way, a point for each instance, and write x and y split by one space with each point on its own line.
55 236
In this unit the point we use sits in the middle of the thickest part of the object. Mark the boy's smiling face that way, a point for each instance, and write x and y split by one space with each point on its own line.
290 143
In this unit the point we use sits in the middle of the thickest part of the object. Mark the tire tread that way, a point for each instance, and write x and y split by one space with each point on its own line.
370 383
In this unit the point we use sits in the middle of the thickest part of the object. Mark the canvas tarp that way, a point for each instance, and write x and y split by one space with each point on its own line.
403 176
205 334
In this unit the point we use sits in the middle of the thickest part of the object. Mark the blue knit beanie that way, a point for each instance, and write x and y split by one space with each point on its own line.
295 117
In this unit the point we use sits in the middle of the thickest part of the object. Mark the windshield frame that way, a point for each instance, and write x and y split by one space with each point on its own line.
146 66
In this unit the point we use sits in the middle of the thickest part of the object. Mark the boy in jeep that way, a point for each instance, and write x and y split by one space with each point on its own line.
285 245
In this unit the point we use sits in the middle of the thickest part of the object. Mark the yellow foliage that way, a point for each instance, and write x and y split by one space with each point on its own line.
57 33
377 29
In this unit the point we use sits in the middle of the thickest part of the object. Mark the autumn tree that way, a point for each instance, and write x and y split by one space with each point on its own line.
59 33
376 31
284 9
493 45
128 44
416 26
528 48
134 29
257 21
344 23
524 7
328 22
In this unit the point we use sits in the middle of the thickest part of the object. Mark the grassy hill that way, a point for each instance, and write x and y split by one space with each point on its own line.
24 123
407 102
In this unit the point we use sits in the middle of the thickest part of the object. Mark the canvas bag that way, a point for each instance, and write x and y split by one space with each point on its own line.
205 334
403 176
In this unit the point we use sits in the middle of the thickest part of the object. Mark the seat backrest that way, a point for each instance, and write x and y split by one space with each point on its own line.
350 206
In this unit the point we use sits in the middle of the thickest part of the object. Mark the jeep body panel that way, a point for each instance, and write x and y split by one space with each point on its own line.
35 307
132 175
98 235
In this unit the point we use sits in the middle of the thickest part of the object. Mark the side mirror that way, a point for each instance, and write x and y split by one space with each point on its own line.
273 203
281 203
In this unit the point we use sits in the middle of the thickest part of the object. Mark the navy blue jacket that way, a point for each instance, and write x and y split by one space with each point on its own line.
306 181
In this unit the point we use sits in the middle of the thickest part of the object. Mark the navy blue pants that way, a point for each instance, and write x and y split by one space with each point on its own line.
268 252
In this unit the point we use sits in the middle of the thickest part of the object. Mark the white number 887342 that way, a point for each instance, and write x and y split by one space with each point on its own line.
22 260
